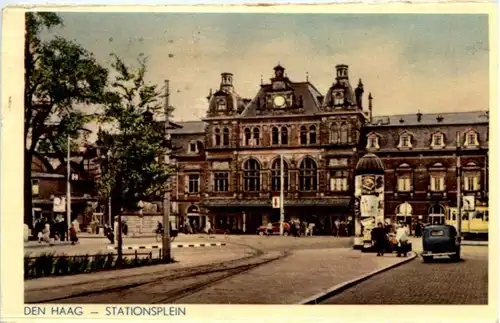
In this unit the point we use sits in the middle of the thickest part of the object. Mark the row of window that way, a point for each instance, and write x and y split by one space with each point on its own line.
339 181
471 182
437 140
281 135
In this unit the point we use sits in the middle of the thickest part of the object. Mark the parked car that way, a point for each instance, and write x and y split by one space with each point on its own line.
440 240
276 229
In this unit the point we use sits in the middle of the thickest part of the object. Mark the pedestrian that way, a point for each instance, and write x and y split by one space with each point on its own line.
208 227
379 238
297 228
269 230
188 228
116 231
402 240
44 235
337 227
124 227
310 229
73 234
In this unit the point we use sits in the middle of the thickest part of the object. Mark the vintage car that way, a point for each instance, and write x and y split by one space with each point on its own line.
440 240
262 230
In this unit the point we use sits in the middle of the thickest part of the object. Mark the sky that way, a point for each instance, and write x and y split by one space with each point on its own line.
409 62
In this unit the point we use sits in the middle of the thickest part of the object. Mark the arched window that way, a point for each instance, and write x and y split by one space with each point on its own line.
193 209
339 99
334 134
303 135
436 209
217 139
248 136
276 175
251 175
284 135
308 175
225 137
343 133
275 136
256 136
312 134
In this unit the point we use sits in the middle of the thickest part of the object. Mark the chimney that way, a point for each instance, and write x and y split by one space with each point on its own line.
419 116
209 96
226 83
439 118
370 106
359 95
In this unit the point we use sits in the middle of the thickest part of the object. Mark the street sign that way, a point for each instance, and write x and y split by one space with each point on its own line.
276 202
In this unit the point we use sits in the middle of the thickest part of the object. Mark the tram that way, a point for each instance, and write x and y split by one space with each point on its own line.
473 222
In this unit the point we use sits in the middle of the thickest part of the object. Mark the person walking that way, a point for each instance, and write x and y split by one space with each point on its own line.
208 227
379 238
402 239
73 234
269 230
337 227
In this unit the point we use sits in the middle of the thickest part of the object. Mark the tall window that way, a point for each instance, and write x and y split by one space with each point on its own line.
343 133
372 142
471 138
256 136
217 139
275 136
225 137
404 182
251 175
334 134
308 175
276 175
437 182
35 187
339 181
248 136
303 135
284 135
221 182
472 181
194 183
339 99
312 134
405 141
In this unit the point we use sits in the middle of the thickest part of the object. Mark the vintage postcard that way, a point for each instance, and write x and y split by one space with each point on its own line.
324 158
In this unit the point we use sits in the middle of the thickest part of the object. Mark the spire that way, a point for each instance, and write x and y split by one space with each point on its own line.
307 76
261 79
226 83
279 71
209 96
370 106
359 94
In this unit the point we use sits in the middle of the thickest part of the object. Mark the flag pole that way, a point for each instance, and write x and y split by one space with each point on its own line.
282 200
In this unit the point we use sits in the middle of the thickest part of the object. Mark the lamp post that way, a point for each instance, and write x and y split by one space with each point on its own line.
282 195
459 188
166 195
68 187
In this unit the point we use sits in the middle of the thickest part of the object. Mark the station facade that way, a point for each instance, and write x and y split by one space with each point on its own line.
228 164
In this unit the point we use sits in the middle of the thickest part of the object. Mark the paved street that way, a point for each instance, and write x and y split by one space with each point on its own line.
440 282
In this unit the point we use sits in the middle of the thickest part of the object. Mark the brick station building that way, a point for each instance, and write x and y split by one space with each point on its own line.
228 165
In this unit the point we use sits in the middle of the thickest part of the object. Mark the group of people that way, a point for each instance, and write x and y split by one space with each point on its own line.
55 230
189 228
110 232
381 235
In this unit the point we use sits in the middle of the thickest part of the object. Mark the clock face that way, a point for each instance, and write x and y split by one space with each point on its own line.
279 101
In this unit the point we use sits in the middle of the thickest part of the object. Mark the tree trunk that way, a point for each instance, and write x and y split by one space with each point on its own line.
28 193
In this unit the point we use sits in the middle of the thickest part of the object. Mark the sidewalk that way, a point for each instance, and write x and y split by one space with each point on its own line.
302 275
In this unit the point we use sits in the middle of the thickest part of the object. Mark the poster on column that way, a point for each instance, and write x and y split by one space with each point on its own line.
369 206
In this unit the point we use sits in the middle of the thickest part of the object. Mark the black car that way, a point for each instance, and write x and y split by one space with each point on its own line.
440 240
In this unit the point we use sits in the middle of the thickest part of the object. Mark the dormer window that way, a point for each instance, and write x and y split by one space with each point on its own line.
405 141
471 138
437 140
221 105
248 136
338 99
373 141
193 147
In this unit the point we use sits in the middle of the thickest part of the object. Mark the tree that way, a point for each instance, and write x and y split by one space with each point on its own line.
58 75
133 169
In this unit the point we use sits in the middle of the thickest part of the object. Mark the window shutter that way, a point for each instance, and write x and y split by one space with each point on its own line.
433 183
441 183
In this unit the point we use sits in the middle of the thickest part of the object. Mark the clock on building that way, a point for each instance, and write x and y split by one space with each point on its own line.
279 101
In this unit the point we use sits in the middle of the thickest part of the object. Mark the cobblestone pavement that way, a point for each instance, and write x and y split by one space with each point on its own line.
439 282
301 275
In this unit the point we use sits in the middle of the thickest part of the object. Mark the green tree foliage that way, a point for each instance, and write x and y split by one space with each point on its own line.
133 169
58 74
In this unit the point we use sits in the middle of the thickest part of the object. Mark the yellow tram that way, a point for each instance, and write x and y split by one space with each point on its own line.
473 222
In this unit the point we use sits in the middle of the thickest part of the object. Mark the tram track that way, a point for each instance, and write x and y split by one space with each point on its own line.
182 281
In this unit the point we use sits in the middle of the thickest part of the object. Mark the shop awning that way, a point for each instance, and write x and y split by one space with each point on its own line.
267 203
